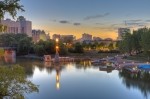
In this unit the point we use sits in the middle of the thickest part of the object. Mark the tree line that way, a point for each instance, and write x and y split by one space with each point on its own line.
136 42
24 45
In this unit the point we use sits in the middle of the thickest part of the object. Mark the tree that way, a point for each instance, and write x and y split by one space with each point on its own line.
78 48
10 6
136 42
24 45
14 84
101 45
39 50
145 41
21 41
126 45
111 46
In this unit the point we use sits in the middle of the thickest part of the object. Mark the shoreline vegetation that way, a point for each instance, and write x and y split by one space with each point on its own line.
76 56
90 56
140 58
135 45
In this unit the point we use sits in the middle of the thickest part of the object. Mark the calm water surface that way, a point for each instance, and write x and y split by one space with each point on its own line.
81 81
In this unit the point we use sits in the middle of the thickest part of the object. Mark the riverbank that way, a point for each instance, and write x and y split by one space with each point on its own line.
76 56
139 57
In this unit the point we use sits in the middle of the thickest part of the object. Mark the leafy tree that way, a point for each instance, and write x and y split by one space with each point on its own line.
126 45
39 50
14 84
62 49
11 7
78 48
24 45
21 41
111 46
101 45
136 42
145 41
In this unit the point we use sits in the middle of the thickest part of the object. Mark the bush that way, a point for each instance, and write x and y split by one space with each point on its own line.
110 51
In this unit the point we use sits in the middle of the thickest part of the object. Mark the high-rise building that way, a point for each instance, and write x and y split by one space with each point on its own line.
122 32
39 35
67 38
64 38
86 37
19 26
97 39
56 36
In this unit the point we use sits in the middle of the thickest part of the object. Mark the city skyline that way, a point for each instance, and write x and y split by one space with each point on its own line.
98 17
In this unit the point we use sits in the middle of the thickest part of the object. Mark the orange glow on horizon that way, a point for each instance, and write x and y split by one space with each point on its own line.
78 31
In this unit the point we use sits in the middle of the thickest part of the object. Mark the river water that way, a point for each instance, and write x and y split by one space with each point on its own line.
80 80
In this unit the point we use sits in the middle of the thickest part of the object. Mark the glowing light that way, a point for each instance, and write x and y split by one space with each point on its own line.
57 47
57 81
57 40
57 77
57 85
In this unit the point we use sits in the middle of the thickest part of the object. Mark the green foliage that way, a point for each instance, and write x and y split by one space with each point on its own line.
48 47
24 45
135 42
111 46
62 49
14 84
39 50
11 7
77 48
21 41
45 47
145 40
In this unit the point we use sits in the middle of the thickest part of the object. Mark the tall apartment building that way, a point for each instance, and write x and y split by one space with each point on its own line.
86 37
39 35
20 26
97 39
64 38
56 36
67 38
122 32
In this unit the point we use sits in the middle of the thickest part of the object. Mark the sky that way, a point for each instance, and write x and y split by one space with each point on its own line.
100 18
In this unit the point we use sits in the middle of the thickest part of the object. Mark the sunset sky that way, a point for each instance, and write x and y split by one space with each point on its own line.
97 17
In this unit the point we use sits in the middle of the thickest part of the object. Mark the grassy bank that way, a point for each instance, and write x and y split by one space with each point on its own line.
139 57
91 55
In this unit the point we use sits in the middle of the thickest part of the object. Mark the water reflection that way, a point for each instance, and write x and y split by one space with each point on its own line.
57 79
138 80
10 56
84 79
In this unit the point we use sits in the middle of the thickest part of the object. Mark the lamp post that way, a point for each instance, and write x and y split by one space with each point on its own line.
57 54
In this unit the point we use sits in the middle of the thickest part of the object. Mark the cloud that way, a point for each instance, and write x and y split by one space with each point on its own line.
107 28
147 21
76 24
64 22
136 20
96 16
136 23
99 23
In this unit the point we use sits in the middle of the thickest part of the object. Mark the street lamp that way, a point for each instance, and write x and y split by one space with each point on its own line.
57 54
57 40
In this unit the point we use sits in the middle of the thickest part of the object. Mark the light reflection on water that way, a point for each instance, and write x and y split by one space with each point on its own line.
81 80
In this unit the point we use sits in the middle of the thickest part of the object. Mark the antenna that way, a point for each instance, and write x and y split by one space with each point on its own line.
125 23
